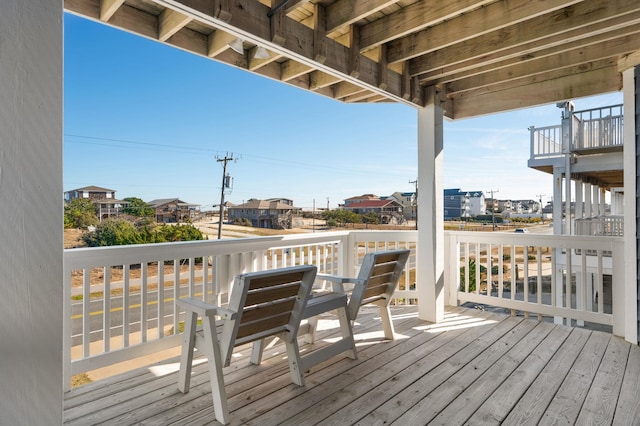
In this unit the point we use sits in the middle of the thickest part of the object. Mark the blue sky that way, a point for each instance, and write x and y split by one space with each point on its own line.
148 121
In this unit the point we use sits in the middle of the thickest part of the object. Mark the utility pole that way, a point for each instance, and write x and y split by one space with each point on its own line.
224 160
493 207
415 202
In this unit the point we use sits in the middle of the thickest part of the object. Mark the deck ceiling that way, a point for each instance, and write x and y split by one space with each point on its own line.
482 56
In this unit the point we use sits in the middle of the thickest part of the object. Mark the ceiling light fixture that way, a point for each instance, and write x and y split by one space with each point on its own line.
261 53
237 45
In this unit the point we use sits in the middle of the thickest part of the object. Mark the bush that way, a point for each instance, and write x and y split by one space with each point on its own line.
113 232
242 221
80 213
117 232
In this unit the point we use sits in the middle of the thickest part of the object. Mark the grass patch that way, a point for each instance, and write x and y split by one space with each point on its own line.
80 379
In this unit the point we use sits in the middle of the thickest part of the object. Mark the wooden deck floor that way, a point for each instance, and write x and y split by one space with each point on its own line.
475 368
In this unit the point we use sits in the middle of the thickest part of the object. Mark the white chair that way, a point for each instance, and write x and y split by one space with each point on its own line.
261 304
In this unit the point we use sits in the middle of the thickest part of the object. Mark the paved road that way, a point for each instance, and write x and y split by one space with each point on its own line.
116 316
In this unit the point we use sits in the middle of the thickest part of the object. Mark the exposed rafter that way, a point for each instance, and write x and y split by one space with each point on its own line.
484 55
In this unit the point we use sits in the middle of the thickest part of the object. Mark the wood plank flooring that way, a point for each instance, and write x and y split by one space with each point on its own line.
475 368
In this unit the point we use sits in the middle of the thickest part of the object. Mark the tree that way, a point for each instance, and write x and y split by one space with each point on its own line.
117 232
371 217
80 213
137 207
113 232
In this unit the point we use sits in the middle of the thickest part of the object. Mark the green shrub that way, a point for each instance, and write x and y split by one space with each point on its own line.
117 232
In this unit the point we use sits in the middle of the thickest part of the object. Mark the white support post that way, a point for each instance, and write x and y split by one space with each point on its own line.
430 252
557 230
588 211
31 207
579 199
630 212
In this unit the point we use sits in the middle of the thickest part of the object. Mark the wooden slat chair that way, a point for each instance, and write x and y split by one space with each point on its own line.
261 304
375 284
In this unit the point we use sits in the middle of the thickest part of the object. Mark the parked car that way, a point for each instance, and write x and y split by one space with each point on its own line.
521 230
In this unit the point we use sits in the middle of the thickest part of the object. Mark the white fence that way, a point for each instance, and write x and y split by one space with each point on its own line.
594 129
121 300
560 276
121 305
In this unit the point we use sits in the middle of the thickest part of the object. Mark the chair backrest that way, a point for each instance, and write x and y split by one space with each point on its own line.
380 272
268 303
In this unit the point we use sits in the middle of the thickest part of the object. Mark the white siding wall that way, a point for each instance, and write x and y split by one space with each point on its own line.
31 212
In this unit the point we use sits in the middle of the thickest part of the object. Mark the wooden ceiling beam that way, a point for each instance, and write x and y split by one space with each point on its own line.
291 69
475 67
481 87
523 39
346 12
578 58
629 61
218 42
170 22
343 89
494 16
538 93
321 79
108 8
412 18
250 20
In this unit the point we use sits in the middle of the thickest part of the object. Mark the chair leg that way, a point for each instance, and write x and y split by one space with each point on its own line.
347 331
214 357
387 324
295 362
256 352
186 357
310 337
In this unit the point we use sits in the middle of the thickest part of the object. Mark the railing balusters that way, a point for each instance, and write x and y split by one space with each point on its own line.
144 273
126 303
160 322
106 310
86 312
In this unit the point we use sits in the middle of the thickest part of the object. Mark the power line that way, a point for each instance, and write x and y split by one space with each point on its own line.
198 151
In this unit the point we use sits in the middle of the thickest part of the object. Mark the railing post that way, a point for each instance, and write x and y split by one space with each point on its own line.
348 251
618 289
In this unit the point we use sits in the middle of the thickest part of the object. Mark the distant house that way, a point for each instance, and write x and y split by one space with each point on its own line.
274 213
528 206
477 205
408 202
389 211
360 198
107 204
286 201
174 210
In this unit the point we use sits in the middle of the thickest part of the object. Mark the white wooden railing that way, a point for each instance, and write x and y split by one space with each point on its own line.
121 306
546 142
596 129
541 274
602 226
599 128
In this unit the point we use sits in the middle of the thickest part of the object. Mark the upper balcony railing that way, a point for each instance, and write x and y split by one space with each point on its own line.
601 226
595 130
120 302
599 129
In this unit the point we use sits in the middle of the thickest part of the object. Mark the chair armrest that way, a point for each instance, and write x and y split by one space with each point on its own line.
205 309
335 278
337 282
